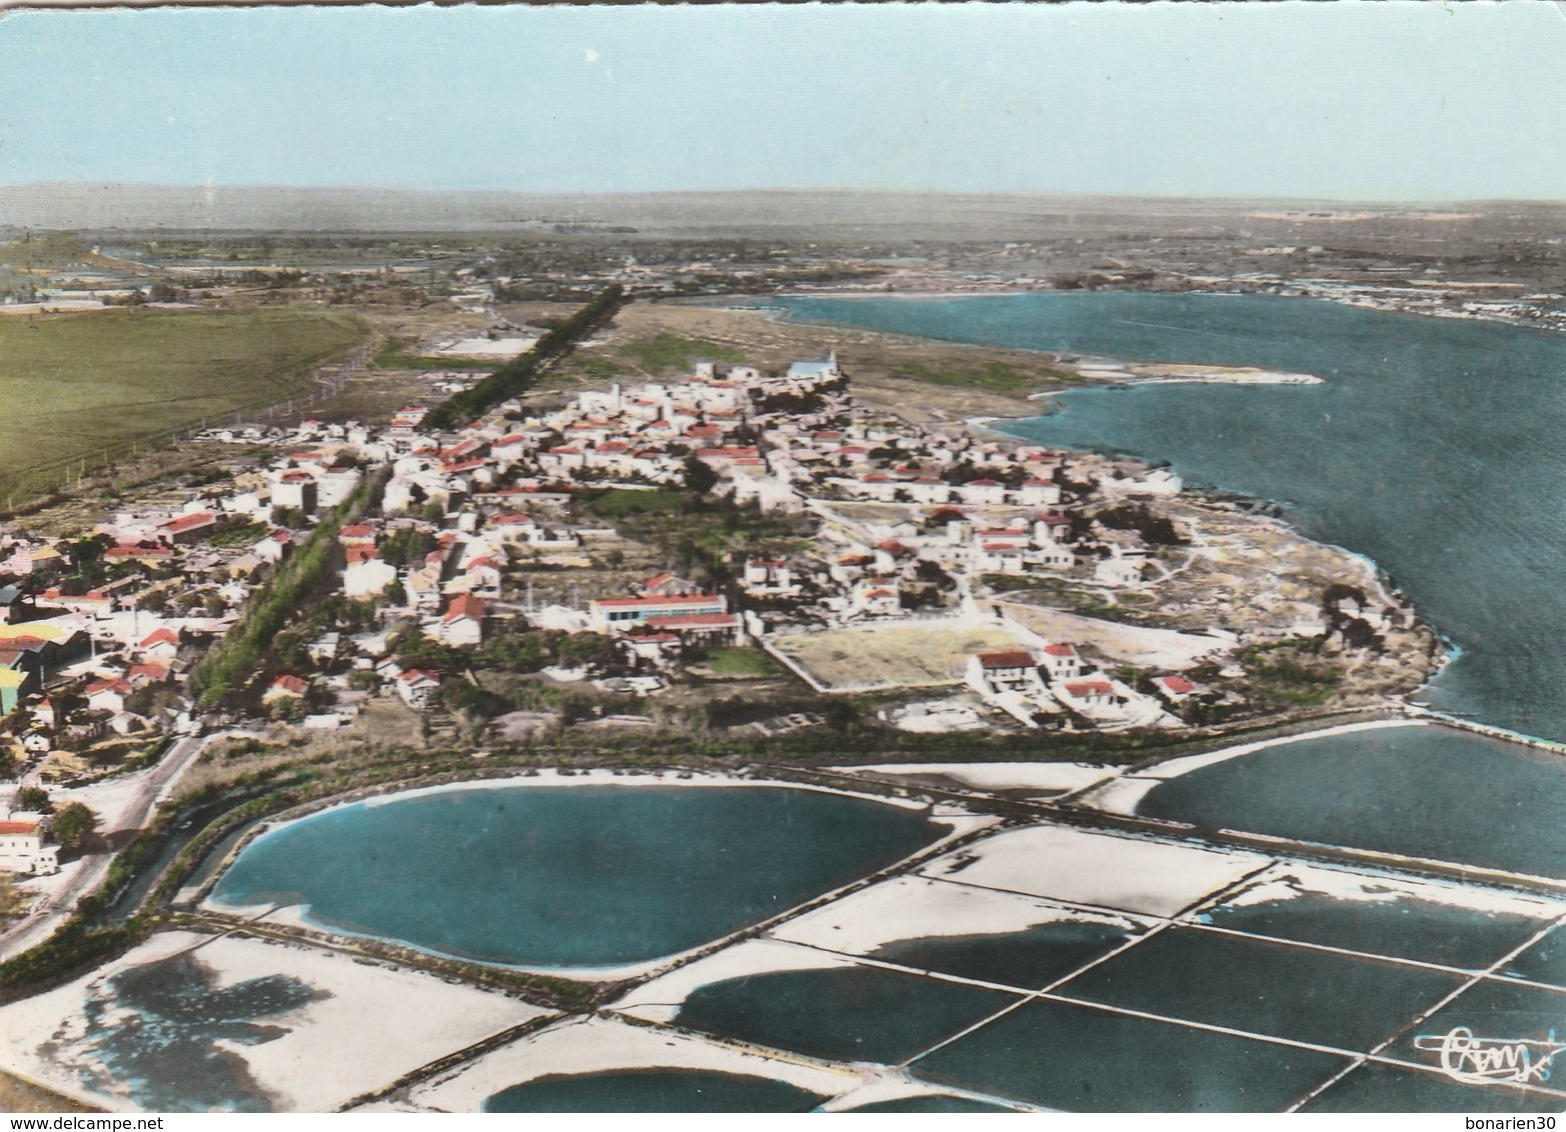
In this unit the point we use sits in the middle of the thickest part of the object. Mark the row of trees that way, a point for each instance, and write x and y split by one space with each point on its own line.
518 375
234 662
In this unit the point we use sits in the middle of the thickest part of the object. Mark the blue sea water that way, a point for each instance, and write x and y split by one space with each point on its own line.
1437 447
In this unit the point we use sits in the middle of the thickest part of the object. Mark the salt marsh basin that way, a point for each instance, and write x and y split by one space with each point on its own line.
602 873
1428 792
946 977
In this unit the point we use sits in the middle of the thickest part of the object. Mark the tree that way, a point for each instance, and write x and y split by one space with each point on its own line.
407 546
587 649
74 825
33 798
85 553
287 709
472 700
699 478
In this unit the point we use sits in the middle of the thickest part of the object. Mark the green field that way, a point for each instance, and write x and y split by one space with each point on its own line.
997 377
737 661
670 352
93 386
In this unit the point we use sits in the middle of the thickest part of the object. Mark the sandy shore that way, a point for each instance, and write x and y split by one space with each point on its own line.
597 1045
1127 874
913 907
366 1024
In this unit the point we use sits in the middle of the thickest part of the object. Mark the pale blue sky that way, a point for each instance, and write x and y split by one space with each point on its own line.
1376 100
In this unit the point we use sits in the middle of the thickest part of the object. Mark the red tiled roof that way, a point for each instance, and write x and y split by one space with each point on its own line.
1090 688
295 685
1061 648
127 551
1007 658
18 827
160 636
189 522
638 602
1179 685
465 605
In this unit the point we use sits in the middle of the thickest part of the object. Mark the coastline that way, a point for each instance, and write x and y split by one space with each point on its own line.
1387 592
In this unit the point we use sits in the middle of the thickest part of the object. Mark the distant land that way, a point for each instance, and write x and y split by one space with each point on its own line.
787 213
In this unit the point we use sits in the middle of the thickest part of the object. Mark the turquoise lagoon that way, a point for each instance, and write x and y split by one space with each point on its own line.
570 876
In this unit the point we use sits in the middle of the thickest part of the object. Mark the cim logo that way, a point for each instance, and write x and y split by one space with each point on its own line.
1487 1061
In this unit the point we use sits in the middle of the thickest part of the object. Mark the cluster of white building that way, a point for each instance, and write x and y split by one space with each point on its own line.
900 505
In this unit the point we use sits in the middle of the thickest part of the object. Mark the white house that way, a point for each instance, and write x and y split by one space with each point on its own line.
463 622
366 575
877 597
417 687
23 848
1119 570
764 576
984 492
1061 661
1004 670
297 489
1036 492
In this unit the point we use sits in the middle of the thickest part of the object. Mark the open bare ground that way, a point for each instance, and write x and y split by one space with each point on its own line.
908 656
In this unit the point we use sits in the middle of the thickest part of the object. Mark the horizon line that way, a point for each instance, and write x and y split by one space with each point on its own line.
843 190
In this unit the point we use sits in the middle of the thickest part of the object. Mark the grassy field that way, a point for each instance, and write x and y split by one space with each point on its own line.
736 661
617 503
91 386
904 656
669 352
997 377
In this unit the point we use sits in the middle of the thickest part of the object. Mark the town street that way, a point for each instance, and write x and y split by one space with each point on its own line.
149 787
